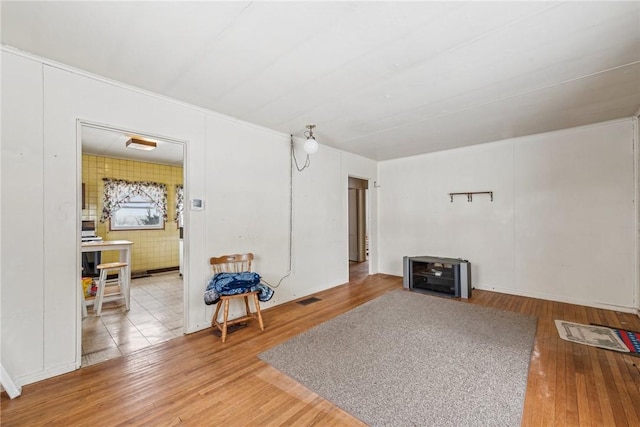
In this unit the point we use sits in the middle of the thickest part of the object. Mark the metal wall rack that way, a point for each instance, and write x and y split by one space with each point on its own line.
470 195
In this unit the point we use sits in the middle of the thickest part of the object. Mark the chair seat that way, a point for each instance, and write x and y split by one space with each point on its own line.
111 265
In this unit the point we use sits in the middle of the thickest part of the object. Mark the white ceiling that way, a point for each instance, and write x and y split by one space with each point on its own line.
380 79
113 143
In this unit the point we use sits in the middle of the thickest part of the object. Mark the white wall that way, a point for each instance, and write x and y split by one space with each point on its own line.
240 170
575 213
22 216
561 226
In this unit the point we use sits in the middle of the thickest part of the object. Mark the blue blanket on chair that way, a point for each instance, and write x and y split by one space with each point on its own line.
235 283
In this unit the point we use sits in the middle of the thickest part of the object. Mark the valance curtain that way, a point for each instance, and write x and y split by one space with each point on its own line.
179 201
117 192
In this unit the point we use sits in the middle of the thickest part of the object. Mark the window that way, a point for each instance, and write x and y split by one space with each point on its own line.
138 213
134 205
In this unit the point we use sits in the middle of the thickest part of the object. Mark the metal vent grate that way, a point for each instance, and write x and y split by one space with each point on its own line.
309 301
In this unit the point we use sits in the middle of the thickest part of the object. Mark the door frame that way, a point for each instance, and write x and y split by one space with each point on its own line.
360 185
80 123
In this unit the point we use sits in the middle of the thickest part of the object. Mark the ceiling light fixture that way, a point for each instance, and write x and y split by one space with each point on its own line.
310 147
140 144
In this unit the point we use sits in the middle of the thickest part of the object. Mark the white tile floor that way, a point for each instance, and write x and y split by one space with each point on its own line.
155 315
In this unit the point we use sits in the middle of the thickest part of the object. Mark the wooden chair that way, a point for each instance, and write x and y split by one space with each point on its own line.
236 263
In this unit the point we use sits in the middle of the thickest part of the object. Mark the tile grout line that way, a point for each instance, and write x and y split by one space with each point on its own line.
167 287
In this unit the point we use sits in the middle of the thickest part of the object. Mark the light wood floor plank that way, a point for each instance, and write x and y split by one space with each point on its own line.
197 380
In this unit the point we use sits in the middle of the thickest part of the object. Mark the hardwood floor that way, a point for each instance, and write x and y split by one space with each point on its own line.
197 380
358 271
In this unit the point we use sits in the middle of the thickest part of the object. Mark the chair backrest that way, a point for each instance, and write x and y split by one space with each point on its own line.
235 263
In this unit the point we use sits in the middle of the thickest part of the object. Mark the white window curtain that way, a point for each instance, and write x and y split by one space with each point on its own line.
118 192
179 201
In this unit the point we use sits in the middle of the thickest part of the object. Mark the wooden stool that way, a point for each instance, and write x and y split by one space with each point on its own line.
250 316
120 285
86 300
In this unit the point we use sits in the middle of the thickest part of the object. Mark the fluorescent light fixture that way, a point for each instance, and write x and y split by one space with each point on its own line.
140 144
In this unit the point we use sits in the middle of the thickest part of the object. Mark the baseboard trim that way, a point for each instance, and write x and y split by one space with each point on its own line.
45 374
568 300
145 273
163 270
8 385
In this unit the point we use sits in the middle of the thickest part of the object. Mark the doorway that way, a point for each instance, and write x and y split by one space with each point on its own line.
157 308
358 229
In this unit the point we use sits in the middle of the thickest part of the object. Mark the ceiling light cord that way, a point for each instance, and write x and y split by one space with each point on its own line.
307 161
292 160
310 146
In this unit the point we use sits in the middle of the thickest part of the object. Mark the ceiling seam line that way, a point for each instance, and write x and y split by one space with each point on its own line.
446 51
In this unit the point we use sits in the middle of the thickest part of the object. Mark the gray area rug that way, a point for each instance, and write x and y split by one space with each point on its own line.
409 359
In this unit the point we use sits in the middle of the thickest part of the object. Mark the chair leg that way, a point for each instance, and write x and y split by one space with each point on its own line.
256 302
83 301
97 304
246 305
226 315
214 319
124 287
